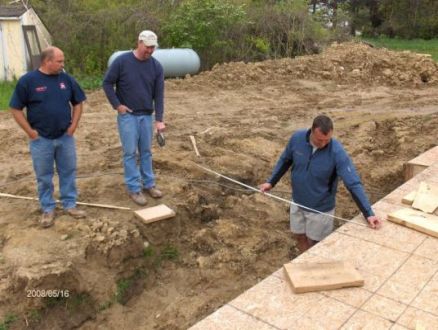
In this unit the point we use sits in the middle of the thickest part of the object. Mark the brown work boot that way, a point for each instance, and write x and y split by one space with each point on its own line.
75 213
47 219
138 198
154 192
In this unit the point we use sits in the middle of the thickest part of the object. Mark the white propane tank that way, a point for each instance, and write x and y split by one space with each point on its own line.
176 62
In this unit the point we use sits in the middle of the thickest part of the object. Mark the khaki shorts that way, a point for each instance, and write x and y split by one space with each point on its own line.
316 226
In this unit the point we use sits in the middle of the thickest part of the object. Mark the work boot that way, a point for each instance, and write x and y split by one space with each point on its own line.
47 219
154 192
138 198
75 213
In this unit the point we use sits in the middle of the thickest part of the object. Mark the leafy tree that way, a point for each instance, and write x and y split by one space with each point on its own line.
206 26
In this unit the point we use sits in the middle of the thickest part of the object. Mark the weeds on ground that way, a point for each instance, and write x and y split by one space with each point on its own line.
8 321
34 316
77 301
148 252
123 286
169 252
6 90
89 82
105 305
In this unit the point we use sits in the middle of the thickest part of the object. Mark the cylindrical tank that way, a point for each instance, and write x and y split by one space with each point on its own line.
176 62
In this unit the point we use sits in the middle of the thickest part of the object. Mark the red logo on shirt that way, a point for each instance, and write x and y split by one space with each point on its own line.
62 85
41 89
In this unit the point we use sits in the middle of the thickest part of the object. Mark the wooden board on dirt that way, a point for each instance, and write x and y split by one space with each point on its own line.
155 213
426 198
409 198
420 163
307 277
423 222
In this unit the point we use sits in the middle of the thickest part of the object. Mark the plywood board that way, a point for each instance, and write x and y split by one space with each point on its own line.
307 277
420 163
155 213
412 170
426 198
423 222
409 198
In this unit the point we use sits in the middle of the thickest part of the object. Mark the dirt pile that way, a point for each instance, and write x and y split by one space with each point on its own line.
347 63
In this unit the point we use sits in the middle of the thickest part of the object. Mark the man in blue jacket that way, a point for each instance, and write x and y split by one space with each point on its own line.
139 82
53 102
317 160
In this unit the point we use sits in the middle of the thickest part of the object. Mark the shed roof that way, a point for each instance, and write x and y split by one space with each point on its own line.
15 10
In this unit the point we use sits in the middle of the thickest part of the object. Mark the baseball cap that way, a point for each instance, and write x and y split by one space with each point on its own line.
149 38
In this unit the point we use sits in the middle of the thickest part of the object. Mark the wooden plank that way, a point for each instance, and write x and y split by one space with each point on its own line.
423 222
78 203
409 198
426 198
307 277
412 170
192 138
420 163
155 213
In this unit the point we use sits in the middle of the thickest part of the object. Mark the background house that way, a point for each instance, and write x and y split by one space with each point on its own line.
22 36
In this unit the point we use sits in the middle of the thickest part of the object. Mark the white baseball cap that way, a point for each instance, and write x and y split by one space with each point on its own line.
148 38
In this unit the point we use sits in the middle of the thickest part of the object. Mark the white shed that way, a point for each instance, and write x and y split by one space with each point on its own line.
22 36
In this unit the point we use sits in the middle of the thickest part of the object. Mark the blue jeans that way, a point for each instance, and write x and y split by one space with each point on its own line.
45 154
136 134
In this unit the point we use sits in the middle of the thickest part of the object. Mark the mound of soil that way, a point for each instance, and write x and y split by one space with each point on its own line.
346 63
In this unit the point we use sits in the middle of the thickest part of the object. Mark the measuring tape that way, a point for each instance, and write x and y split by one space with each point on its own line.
277 197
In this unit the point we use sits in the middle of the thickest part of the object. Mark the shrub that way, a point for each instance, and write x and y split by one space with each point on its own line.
206 26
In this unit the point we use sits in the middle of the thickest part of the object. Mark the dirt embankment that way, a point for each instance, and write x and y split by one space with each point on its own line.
121 273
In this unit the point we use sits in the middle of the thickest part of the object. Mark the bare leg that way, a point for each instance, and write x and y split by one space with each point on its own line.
311 242
302 242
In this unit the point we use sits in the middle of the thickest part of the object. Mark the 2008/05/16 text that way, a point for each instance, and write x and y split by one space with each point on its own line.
55 293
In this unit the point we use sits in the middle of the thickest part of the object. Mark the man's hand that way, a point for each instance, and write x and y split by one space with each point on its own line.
264 187
159 126
33 134
374 222
122 109
71 130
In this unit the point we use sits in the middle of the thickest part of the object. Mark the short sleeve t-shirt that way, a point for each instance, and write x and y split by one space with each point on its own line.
48 100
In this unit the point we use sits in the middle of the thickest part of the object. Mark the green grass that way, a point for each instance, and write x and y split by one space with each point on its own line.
89 82
414 45
8 321
6 90
123 286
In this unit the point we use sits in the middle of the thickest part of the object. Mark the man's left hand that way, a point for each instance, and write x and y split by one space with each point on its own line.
374 222
71 130
159 126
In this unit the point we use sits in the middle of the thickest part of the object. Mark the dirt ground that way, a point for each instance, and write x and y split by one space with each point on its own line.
123 274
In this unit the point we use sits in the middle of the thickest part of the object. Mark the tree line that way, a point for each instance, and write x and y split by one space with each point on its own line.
89 31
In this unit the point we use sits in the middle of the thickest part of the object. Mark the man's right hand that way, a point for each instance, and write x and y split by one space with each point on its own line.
264 187
33 134
122 109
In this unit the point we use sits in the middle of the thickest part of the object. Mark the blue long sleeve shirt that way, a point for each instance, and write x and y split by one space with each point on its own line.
315 175
139 85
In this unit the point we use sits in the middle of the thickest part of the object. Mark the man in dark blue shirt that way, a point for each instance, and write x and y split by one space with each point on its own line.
139 82
317 160
53 102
